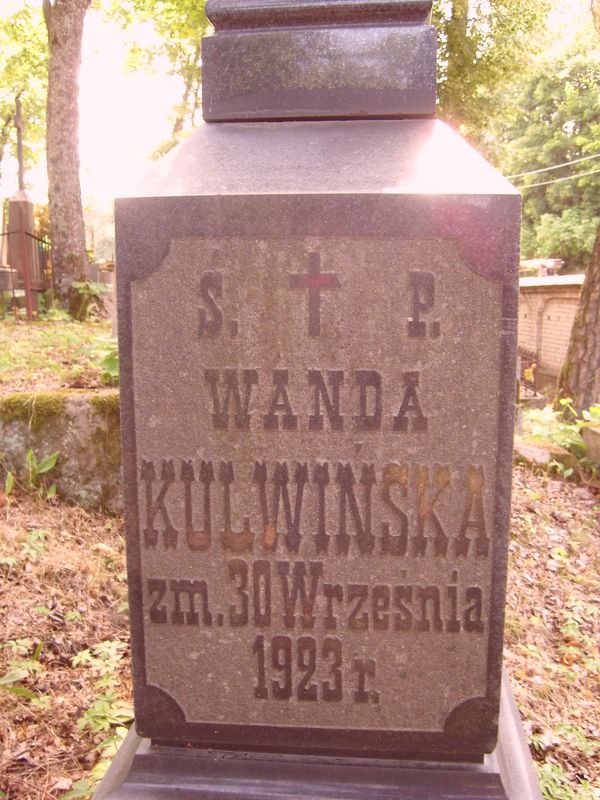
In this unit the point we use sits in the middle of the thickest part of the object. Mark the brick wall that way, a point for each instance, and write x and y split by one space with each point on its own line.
547 308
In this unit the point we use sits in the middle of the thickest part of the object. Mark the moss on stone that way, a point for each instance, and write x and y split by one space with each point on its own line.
107 436
108 404
33 408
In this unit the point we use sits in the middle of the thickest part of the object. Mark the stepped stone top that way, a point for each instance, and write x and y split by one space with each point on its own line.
235 14
318 59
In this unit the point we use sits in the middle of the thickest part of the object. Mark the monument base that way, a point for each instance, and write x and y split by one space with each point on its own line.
143 772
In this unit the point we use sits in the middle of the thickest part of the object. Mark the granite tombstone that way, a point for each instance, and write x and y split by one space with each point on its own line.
317 330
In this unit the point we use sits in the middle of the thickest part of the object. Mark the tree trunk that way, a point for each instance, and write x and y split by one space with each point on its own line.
191 88
580 376
595 9
64 21
7 123
459 57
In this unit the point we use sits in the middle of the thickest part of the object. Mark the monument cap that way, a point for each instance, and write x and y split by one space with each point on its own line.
226 14
318 59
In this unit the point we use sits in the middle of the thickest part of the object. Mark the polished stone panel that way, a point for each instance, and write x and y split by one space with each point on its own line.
318 60
317 469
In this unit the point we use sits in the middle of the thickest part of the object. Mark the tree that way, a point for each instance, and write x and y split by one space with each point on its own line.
481 46
23 73
64 22
180 26
580 376
552 119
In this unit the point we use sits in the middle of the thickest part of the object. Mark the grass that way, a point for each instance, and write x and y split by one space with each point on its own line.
51 355
65 685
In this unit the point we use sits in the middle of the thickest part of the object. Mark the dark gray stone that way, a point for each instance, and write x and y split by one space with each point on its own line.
317 328
143 772
321 291
233 14
315 60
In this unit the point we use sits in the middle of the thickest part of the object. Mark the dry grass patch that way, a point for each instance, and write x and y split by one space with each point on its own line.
553 629
64 646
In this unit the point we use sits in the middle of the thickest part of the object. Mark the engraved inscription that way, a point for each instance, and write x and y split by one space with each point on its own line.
316 481
211 317
422 290
296 596
360 510
232 395
315 281
321 391
292 666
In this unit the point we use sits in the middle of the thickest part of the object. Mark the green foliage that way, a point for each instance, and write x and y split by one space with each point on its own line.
48 352
85 299
90 289
577 738
21 669
551 118
555 784
180 26
561 469
23 71
544 424
108 362
81 789
36 469
36 472
590 416
103 659
569 236
9 483
481 46
34 546
55 314
563 428
107 713
11 682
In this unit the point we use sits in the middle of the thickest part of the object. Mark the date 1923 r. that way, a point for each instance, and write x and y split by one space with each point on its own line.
293 663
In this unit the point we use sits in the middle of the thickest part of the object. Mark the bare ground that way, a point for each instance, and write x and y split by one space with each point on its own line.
63 629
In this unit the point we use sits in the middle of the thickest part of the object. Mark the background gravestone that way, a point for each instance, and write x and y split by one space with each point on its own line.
317 330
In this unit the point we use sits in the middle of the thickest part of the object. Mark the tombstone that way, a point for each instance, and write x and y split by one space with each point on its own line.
8 275
317 318
22 254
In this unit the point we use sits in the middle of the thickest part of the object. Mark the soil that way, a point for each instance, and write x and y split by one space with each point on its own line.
64 630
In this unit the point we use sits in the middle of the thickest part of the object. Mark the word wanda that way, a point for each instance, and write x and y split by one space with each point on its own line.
232 389
419 487
305 599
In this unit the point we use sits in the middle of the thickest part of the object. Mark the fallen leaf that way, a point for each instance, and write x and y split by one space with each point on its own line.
62 784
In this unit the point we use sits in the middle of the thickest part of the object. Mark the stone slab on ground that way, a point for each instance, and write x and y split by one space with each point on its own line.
541 454
591 437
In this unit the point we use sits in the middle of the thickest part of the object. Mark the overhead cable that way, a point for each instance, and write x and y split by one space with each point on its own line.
560 180
556 166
